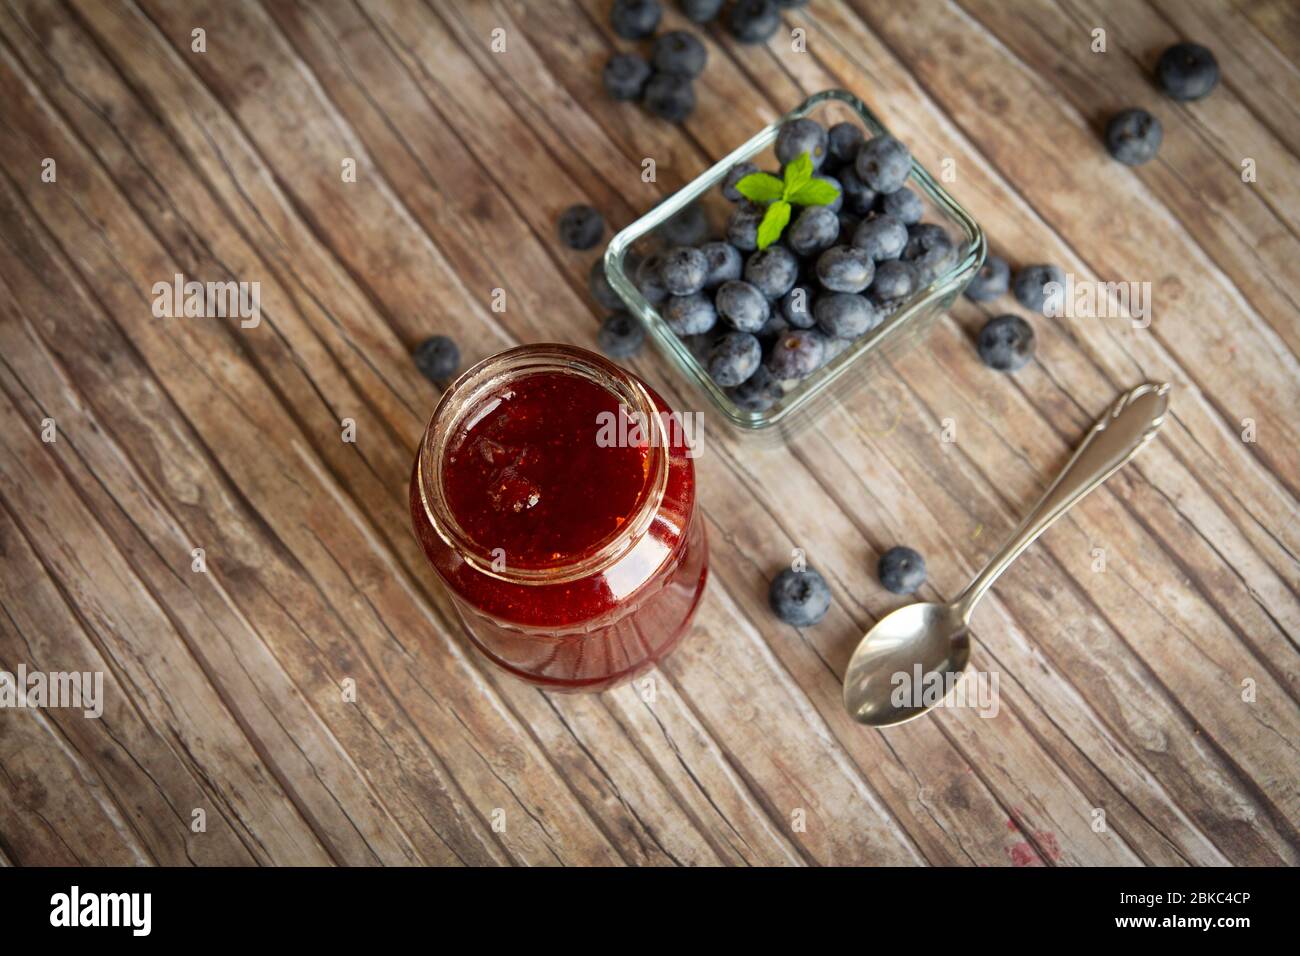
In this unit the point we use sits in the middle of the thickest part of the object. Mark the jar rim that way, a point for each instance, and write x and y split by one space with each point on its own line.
464 396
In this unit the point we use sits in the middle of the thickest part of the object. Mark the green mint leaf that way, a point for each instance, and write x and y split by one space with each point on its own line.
815 192
760 187
797 172
774 222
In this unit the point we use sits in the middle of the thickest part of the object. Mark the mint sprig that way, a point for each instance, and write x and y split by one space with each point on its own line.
798 188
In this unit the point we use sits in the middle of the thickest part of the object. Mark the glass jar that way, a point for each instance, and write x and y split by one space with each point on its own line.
554 494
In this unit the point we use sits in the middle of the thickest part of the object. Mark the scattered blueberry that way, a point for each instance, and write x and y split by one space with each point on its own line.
901 570
814 229
754 21
701 11
670 96
904 205
895 280
801 136
1030 286
844 141
991 281
724 263
690 314
757 393
844 315
859 198
930 249
601 290
1187 71
437 358
845 269
625 76
744 307
635 19
689 227
684 270
735 175
679 52
734 357
1006 343
801 598
1133 137
796 307
797 354
881 236
773 271
620 336
581 227
742 227
648 280
883 163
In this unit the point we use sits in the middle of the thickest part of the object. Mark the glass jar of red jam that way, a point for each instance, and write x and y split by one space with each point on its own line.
554 494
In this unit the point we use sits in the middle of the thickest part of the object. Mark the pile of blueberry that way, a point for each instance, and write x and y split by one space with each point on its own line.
1185 71
664 84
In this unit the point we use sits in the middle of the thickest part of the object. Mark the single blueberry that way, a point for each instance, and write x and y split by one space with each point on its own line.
690 314
734 358
845 269
881 236
773 271
701 11
757 393
724 263
797 307
1187 71
904 205
859 198
735 175
930 249
844 141
901 570
991 281
1030 286
625 76
742 227
883 163
797 354
801 136
601 290
679 52
581 227
801 598
744 307
670 96
689 227
437 358
895 280
635 19
845 315
774 326
620 336
815 229
1005 343
648 280
754 21
1133 137
684 270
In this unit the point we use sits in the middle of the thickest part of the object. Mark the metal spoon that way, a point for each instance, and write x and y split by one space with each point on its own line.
937 636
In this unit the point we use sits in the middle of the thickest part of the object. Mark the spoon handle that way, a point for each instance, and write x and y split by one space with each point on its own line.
1118 435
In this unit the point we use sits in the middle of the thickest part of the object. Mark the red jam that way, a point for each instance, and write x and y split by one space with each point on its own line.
576 562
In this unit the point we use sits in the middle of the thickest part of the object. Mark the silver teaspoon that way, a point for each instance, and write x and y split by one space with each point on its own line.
937 636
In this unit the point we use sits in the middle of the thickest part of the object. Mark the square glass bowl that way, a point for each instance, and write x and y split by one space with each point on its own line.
851 366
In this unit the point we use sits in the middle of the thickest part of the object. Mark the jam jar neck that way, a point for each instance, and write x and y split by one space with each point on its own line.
466 397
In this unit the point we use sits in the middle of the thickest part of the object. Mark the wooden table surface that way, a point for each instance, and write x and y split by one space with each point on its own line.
306 698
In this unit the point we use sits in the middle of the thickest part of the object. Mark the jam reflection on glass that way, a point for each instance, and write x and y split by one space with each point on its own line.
576 562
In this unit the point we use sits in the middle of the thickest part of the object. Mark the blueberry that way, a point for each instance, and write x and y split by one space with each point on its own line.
620 336
883 163
1187 71
635 19
581 227
670 96
773 271
734 358
625 76
1030 286
895 280
844 315
437 358
742 227
689 227
735 175
801 598
690 314
901 570
724 263
848 223
815 229
774 326
648 280
845 269
904 205
1133 137
754 21
1006 343
844 141
881 236
679 52
790 4
699 345
990 281
838 202
797 353
930 249
701 11
744 307
859 198
797 307
757 393
601 290
801 136
684 270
